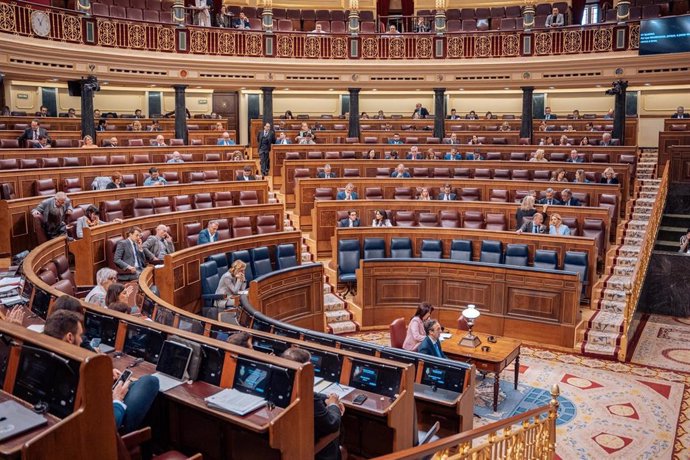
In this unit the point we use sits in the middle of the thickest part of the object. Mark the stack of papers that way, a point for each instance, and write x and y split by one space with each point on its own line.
235 402
326 387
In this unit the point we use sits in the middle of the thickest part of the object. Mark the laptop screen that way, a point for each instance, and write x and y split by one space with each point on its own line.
174 359
251 377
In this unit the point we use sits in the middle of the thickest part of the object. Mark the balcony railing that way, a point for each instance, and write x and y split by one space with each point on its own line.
71 27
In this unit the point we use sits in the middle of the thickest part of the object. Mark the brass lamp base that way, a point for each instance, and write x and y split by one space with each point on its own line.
470 340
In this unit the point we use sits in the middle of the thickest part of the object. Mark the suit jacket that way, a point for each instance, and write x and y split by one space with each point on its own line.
224 142
678 115
450 141
427 347
346 222
579 160
395 174
265 141
326 421
554 202
559 21
250 177
394 142
153 248
205 237
341 196
29 134
284 141
125 257
528 227
550 116
414 157
454 117
331 175
572 202
423 112
451 197
604 181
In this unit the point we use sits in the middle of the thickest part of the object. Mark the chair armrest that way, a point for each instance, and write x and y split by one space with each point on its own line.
326 440
136 438
212 296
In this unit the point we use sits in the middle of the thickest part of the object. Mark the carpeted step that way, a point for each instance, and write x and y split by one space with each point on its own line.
343 327
613 294
623 270
626 261
618 282
327 288
599 351
306 257
332 302
337 316
611 306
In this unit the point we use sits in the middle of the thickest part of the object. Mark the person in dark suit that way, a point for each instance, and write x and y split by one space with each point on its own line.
680 113
575 157
535 226
129 256
550 198
157 246
605 140
419 111
241 22
431 345
43 113
42 143
328 411
282 139
569 199
395 140
454 115
247 174
452 140
266 138
352 220
225 139
347 194
33 133
548 115
209 234
327 173
400 171
414 154
609 177
447 194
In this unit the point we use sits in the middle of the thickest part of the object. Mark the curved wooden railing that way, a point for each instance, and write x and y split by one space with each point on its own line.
70 27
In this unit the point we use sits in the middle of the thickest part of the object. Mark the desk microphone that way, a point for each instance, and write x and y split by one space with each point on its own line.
434 388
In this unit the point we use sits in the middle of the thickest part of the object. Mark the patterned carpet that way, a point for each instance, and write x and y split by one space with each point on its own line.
621 410
665 342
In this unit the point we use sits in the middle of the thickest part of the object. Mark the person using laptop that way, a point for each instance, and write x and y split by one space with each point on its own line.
328 410
131 400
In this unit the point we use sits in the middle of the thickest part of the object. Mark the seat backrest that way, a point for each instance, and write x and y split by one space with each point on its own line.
261 261
161 205
248 197
383 172
373 193
431 249
594 228
266 224
241 226
576 262
196 177
171 177
71 184
182 203
9 163
323 194
143 207
450 219
350 172
203 201
348 257
491 252
473 219
469 194
50 162
545 259
420 172
571 223
461 250
374 248
428 219
43 187
398 332
63 271
111 209
405 219
403 193
496 221
286 256
7 191
516 254
244 256
110 245
221 199
499 196
208 272
191 233
401 248
28 163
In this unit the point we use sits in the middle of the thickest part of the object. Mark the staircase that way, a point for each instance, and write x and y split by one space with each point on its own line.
673 226
605 329
337 318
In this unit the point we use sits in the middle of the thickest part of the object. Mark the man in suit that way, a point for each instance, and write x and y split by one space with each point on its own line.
400 171
71 113
53 213
327 173
680 113
154 126
414 153
419 111
431 345
129 256
266 138
138 114
209 234
328 411
159 141
112 142
609 115
550 198
395 140
575 157
452 140
453 115
556 19
352 220
447 194
605 139
548 115
282 139
225 139
158 245
42 143
569 199
242 22
247 174
43 112
535 226
33 132
347 194
102 125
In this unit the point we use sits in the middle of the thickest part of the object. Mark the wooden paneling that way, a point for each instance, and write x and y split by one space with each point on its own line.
120 124
227 105
514 302
679 158
668 139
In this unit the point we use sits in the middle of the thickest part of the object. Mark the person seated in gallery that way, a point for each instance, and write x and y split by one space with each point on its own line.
415 329
352 220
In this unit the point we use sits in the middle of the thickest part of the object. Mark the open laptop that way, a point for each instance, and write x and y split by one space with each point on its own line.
171 370
16 419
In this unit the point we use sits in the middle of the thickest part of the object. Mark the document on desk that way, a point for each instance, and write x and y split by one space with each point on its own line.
445 336
235 402
326 387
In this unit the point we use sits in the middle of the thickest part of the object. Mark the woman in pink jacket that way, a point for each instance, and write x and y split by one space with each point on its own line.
415 330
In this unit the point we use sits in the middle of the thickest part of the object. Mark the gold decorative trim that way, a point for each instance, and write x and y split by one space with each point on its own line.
370 48
572 41
339 47
71 28
542 43
166 39
482 45
285 46
634 39
136 36
107 34
254 45
603 39
7 18
312 47
198 41
511 45
456 47
396 48
425 47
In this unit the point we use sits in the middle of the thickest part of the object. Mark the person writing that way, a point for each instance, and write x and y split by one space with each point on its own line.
415 330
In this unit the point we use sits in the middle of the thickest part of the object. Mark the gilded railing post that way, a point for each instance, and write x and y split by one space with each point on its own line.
440 18
553 416
353 18
267 16
528 15
84 6
623 11
179 13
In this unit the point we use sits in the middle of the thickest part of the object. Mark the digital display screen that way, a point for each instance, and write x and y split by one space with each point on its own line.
326 365
261 325
377 378
286 332
41 303
358 348
147 307
665 35
269 346
251 377
190 325
142 342
97 326
445 377
174 359
364 377
211 364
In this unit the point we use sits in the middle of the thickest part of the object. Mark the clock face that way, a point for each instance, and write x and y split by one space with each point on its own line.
40 23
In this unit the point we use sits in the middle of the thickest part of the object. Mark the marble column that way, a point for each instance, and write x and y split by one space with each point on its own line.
439 112
180 113
353 127
89 85
527 114
268 104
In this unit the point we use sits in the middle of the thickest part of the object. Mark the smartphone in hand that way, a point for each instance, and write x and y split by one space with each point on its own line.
126 374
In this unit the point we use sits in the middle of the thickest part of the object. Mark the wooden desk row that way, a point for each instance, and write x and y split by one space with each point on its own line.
668 139
541 306
306 191
560 244
91 252
442 169
16 214
326 215
23 180
279 153
121 124
679 159
123 137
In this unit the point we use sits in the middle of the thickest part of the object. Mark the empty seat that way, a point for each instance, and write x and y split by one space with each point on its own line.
600 158
222 199
428 219
499 196
209 277
151 16
373 193
223 229
261 261
473 219
202 201
241 226
374 248
461 173
595 228
405 219
491 252
143 207
182 203
576 262
171 177
450 219
221 261
420 172
196 177
521 174
9 163
461 250
161 205
383 172
348 263
496 221
28 163
212 157
571 223
134 13
44 187
469 194
248 197
401 248
211 176
323 194
403 193
518 156
266 224
9 144
441 172
191 233
110 210
350 172
545 259
71 185
516 254
431 249
286 256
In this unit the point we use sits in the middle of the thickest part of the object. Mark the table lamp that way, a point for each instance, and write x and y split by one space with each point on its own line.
470 314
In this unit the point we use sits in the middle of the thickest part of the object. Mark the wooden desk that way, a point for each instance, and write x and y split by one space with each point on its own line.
123 137
12 447
500 355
